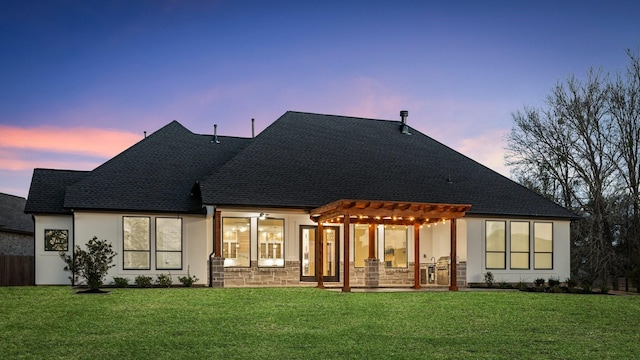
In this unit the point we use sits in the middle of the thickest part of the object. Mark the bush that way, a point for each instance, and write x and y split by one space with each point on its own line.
504 285
571 283
188 280
164 280
586 287
555 288
120 282
522 286
554 282
604 289
488 279
539 282
143 281
92 264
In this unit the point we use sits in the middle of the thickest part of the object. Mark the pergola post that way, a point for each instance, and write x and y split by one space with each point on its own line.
320 256
416 256
453 285
346 287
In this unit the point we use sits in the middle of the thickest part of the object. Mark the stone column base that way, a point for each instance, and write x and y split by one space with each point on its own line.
217 272
371 274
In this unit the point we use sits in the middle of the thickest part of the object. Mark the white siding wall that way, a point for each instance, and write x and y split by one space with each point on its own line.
49 265
476 268
196 246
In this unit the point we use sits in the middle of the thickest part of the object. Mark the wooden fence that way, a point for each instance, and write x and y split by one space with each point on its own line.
17 270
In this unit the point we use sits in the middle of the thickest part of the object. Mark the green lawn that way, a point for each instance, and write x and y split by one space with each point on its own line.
307 323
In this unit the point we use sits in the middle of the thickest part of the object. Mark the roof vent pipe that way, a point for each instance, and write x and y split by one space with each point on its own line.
253 127
404 128
215 134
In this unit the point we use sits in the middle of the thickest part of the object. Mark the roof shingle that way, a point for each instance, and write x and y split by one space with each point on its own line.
307 160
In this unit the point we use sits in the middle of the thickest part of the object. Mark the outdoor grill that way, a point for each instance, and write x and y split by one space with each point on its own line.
442 271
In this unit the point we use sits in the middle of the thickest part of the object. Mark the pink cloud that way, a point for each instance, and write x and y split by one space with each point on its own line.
104 143
486 148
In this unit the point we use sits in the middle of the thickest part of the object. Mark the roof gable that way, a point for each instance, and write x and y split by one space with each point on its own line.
156 174
47 190
12 216
307 160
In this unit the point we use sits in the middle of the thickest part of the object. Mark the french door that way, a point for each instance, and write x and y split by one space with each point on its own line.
331 253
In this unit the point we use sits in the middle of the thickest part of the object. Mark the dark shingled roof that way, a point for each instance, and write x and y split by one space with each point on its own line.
12 216
156 174
307 160
48 186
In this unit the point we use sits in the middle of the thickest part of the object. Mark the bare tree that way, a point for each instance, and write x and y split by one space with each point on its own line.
624 109
566 146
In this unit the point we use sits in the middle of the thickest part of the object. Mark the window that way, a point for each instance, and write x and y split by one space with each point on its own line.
519 245
361 244
136 246
168 243
395 246
236 236
495 234
56 240
543 246
271 242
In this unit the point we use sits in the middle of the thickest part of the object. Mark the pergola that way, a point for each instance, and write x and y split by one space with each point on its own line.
375 213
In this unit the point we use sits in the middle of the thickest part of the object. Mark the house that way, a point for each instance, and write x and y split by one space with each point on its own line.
306 199
16 242
16 228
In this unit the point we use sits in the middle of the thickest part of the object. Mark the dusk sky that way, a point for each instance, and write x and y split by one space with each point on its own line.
80 81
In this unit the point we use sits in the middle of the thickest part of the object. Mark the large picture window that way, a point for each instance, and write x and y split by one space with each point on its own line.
395 246
361 244
519 245
56 240
543 246
495 234
271 242
136 245
168 243
236 237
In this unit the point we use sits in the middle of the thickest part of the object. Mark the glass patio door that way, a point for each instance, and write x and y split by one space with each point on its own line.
308 258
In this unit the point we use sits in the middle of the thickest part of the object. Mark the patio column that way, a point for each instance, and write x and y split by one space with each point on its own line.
345 286
217 263
320 256
372 241
453 285
371 274
416 256
217 234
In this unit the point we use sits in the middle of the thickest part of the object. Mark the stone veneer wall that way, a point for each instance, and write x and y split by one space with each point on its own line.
263 276
289 275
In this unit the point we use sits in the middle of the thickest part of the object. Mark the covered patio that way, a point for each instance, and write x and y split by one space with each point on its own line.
374 213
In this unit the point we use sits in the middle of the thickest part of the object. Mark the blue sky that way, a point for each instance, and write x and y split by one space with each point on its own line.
81 80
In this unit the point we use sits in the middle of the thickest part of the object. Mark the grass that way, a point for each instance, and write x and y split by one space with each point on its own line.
307 323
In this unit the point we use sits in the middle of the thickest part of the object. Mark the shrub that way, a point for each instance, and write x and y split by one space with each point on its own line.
164 280
604 289
188 280
522 286
143 281
488 279
555 288
554 282
586 287
92 264
571 283
120 282
539 282
504 285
